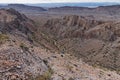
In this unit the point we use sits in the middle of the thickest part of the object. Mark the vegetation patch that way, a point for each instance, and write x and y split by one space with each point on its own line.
24 47
3 38
70 78
46 76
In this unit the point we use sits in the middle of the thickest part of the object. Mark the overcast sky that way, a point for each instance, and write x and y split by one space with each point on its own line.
53 1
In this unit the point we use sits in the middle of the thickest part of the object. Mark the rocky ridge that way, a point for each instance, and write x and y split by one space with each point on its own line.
17 62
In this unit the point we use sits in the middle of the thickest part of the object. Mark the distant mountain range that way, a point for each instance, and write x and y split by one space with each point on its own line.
30 8
23 8
90 4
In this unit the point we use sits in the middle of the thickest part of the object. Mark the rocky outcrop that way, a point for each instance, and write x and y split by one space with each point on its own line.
108 31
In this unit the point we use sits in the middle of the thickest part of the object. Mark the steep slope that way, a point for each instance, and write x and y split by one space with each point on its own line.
68 67
11 20
17 61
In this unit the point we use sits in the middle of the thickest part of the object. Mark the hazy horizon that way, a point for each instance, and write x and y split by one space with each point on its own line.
77 4
55 1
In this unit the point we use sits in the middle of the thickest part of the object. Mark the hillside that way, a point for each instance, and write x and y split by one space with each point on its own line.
96 42
16 60
68 47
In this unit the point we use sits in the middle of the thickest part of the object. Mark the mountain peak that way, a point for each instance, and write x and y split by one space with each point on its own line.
11 20
9 15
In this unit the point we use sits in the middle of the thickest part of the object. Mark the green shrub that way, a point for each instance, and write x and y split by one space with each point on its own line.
3 38
70 78
46 76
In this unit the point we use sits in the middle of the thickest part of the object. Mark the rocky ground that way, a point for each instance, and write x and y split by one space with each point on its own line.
67 67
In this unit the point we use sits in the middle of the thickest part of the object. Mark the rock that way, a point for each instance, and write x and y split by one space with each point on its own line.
13 77
19 67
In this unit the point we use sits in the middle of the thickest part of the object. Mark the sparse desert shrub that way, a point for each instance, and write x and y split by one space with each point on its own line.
46 76
24 47
3 38
101 74
30 38
45 61
70 78
69 67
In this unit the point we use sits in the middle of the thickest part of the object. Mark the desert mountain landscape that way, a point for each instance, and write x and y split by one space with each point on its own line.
60 43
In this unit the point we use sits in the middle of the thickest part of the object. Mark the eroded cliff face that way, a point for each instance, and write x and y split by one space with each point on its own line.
77 26
72 25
